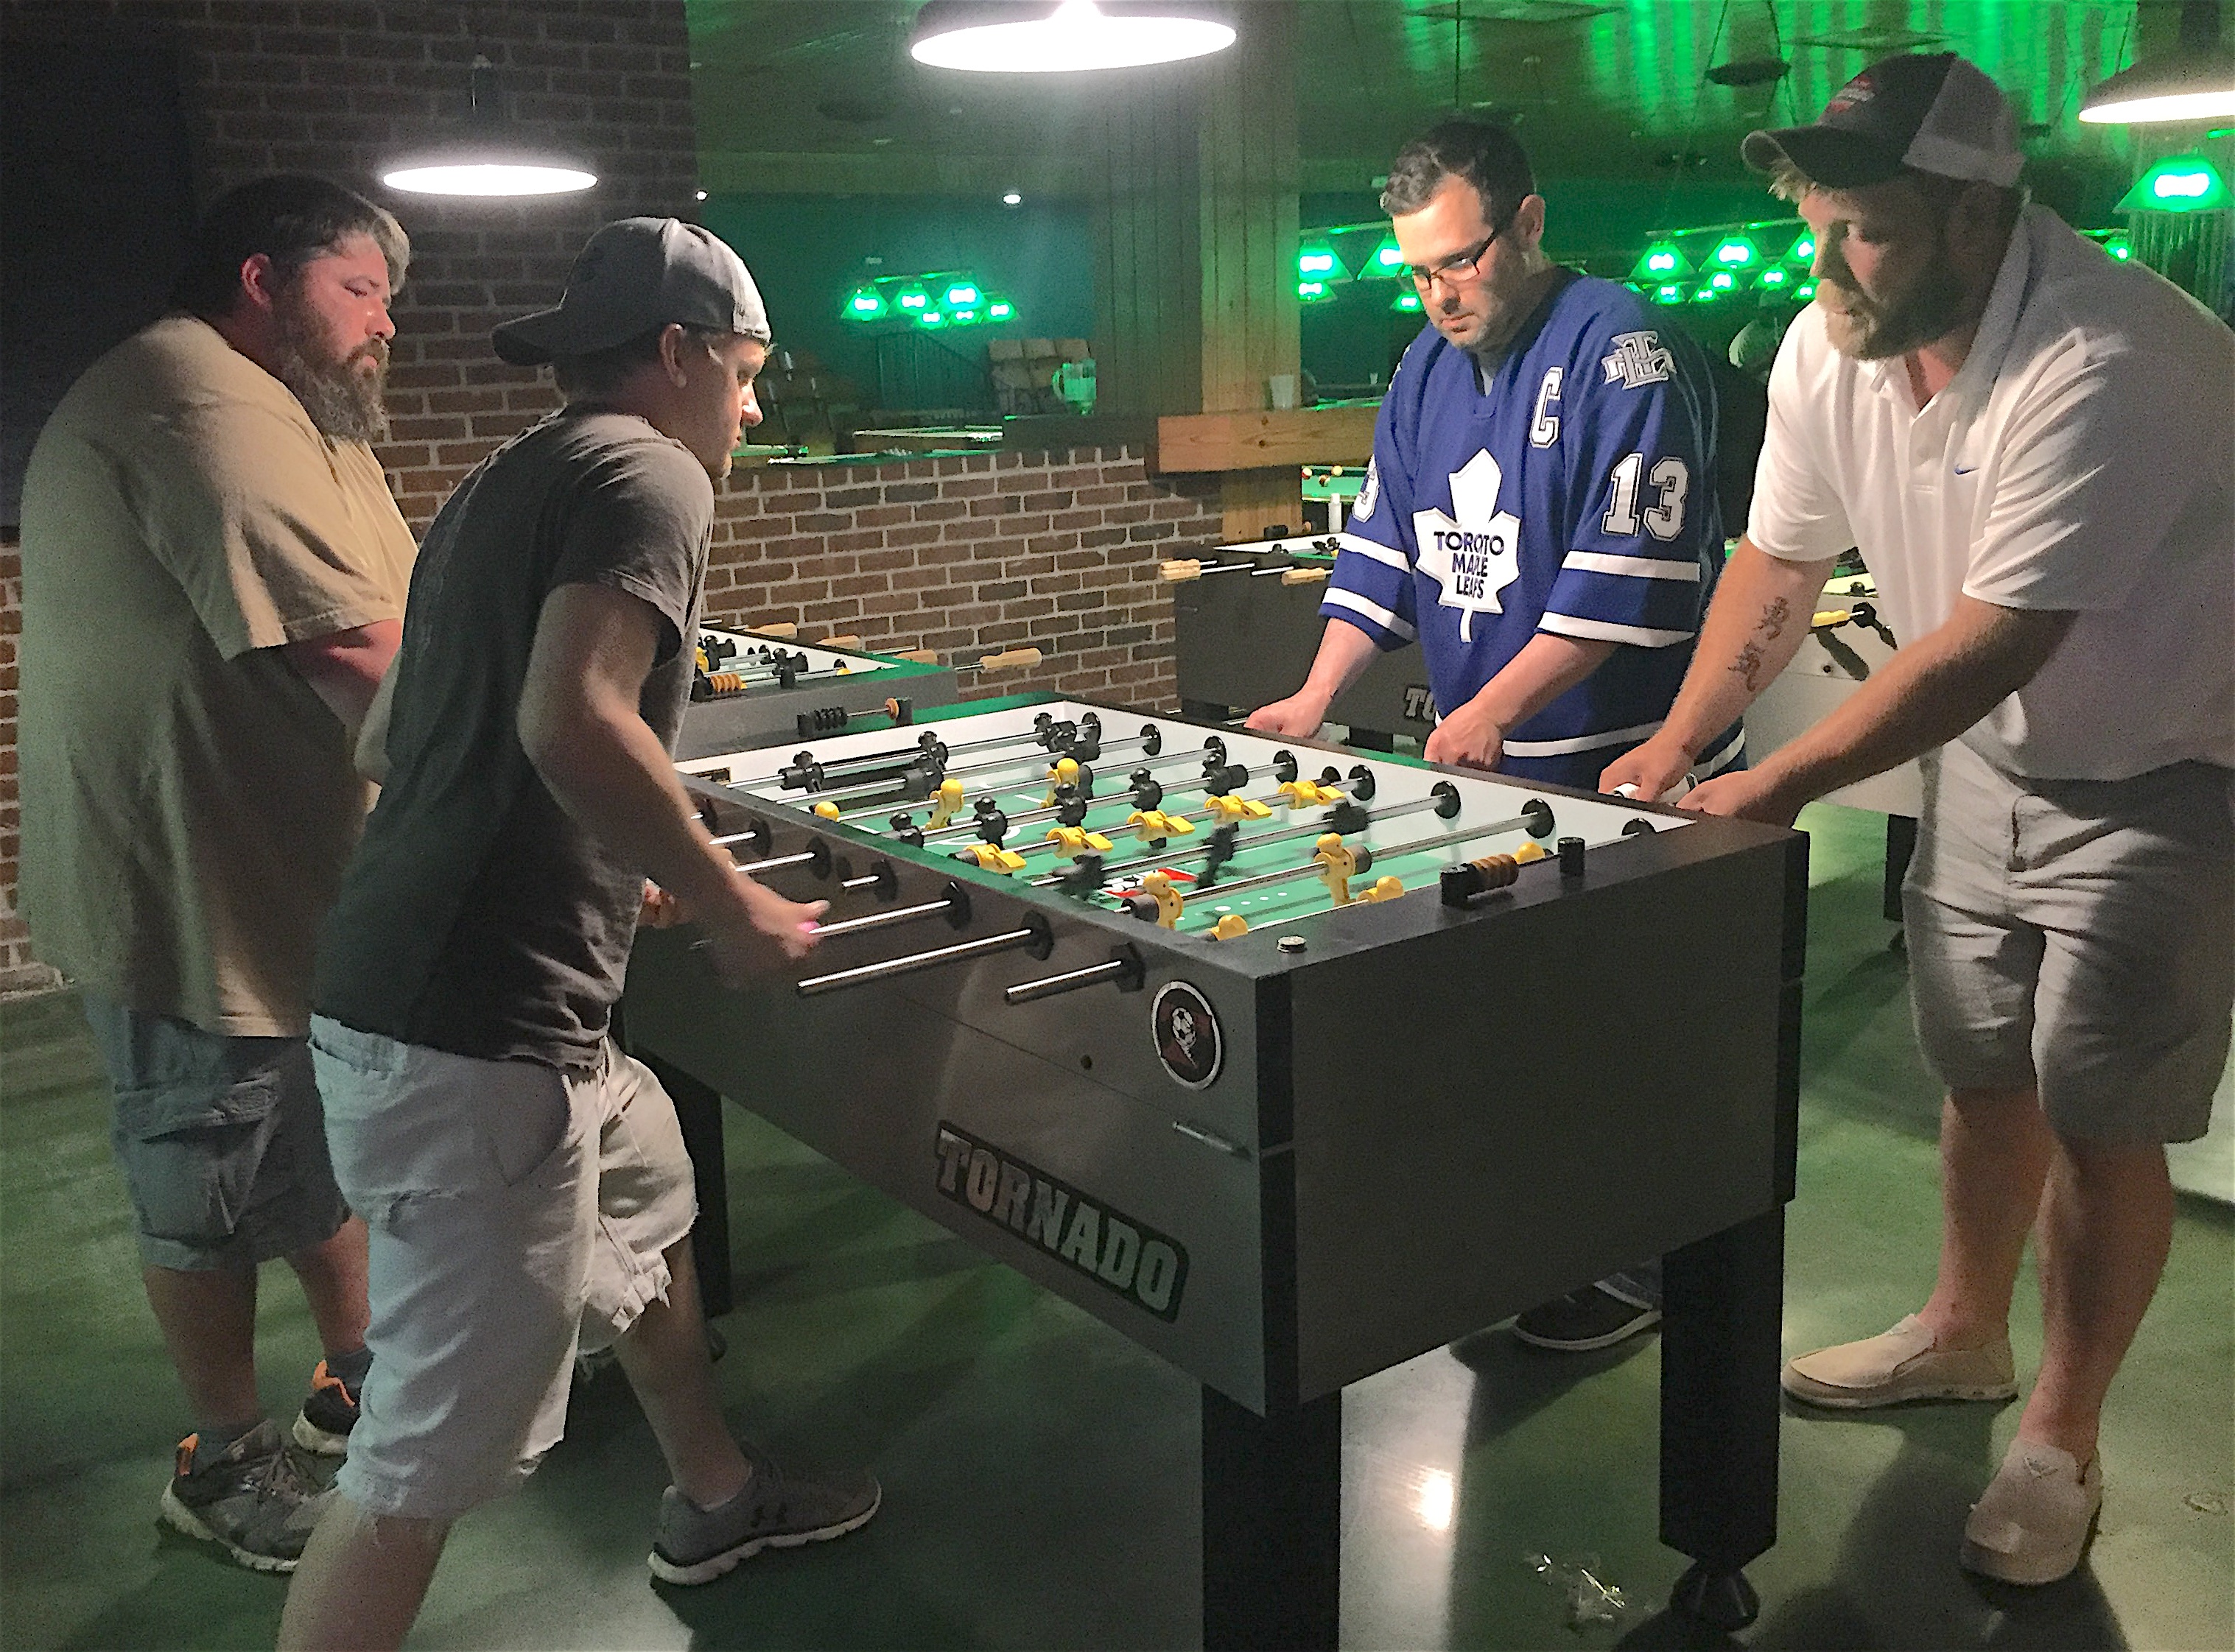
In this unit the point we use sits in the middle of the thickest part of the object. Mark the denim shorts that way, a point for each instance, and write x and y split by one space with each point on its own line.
515 1213
2076 937
220 1140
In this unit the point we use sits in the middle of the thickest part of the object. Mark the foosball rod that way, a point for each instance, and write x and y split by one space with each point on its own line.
1443 798
902 754
864 802
1035 934
1312 869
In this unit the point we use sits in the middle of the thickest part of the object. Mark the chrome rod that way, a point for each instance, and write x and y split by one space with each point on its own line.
885 920
777 862
1310 869
909 964
1121 966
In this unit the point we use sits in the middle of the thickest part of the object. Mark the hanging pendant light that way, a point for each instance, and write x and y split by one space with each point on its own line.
490 158
2194 83
1058 36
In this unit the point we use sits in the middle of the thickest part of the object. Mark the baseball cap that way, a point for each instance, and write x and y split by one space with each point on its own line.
1936 112
634 275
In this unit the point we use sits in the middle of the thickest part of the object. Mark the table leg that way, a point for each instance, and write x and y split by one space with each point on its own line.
1720 1354
1272 1524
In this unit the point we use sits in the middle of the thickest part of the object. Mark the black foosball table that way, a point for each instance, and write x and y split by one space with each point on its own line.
1288 1064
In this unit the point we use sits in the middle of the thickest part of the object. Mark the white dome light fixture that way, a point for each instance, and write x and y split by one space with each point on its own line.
1066 37
490 160
2196 81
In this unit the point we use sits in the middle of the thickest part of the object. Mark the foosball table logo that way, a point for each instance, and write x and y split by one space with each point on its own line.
1085 1235
1188 1040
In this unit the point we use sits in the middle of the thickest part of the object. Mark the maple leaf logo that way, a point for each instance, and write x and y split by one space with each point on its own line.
1477 556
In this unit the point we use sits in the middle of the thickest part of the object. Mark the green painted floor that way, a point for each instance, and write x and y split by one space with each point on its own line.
1040 1472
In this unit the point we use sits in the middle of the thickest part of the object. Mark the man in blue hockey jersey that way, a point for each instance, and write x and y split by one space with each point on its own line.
1540 512
1540 515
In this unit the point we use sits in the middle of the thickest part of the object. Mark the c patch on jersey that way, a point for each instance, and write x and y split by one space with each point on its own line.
1369 493
1477 556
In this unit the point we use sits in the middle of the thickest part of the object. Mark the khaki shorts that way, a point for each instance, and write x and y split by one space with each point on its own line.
219 1139
2078 936
516 1213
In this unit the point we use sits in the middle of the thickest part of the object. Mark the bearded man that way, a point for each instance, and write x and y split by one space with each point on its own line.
2034 447
214 584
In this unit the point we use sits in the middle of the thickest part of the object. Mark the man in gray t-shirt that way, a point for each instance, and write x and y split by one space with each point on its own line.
524 1182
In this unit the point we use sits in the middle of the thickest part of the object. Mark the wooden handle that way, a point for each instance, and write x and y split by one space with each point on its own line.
1181 567
1302 576
1825 619
921 656
840 642
783 628
1015 659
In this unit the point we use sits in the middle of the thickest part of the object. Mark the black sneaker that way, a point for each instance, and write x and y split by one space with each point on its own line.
696 1545
1583 1321
254 1499
328 1414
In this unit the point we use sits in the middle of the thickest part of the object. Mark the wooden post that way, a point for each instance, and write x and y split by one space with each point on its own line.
1196 231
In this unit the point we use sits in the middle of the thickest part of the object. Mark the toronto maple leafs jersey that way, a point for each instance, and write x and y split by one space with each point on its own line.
1569 490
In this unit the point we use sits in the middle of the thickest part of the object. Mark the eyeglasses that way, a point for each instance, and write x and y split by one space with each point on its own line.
1460 266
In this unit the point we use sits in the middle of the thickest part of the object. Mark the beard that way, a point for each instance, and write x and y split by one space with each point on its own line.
1932 306
341 395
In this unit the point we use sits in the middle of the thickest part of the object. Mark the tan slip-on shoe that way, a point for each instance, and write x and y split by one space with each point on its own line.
1896 1365
2033 1521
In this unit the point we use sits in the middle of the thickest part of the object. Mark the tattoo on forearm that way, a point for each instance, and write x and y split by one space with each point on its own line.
1772 618
1748 666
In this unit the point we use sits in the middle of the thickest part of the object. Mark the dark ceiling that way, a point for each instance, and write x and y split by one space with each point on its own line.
821 95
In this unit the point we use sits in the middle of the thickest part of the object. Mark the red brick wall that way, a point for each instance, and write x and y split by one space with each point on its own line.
969 556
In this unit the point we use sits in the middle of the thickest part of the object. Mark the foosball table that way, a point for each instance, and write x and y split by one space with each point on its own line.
750 687
1288 1063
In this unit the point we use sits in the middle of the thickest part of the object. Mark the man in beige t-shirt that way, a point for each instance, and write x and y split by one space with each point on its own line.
213 582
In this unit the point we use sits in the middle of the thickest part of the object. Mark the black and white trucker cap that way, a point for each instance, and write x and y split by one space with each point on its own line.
1938 113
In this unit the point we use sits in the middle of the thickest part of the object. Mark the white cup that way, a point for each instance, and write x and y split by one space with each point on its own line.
1282 388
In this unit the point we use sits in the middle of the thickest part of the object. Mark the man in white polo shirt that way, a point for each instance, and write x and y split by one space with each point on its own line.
2034 447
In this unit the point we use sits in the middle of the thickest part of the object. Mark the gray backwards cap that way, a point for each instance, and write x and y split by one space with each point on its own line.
634 275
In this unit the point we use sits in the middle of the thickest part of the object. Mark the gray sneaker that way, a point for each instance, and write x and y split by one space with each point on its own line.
253 1498
696 1545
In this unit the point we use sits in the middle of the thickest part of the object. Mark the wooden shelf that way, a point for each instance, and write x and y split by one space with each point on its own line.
1198 442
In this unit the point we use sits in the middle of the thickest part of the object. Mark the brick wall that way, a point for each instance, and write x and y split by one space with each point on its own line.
971 555
966 555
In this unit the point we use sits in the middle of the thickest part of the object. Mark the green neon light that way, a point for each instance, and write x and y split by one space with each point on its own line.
1387 260
1315 261
1661 261
1735 252
913 299
1406 302
962 318
1669 292
962 292
2119 247
1803 251
2183 183
930 320
1804 291
1770 279
1000 309
1312 292
866 305
1722 281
